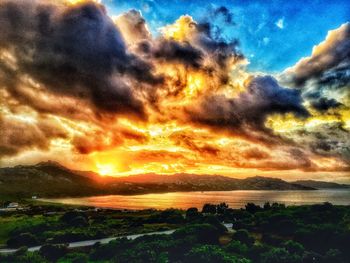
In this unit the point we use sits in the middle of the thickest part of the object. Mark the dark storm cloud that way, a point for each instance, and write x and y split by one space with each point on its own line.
200 42
324 104
17 135
246 114
337 77
327 139
317 100
171 51
223 52
74 51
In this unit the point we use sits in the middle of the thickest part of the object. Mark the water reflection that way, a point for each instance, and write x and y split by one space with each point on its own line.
235 199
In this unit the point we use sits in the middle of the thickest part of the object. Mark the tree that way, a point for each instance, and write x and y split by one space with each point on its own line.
192 214
252 208
267 206
221 208
171 216
209 209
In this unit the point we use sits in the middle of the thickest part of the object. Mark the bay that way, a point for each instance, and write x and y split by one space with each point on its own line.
235 199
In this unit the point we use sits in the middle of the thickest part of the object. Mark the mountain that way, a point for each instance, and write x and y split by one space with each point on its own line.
322 185
51 179
44 179
213 182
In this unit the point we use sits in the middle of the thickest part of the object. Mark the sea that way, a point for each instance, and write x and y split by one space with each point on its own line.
235 199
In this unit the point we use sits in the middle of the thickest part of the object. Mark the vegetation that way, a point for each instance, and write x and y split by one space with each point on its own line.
48 224
269 234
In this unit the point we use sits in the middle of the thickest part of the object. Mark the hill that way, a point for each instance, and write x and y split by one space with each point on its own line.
213 182
51 179
322 185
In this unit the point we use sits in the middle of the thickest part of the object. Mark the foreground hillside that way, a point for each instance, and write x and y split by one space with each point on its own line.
53 180
269 234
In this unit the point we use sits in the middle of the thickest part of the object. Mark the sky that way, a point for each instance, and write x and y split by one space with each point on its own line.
236 88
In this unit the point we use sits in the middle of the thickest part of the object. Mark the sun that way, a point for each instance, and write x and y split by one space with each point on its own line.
105 169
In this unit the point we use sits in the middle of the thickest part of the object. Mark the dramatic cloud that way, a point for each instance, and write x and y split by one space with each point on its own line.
106 92
105 139
326 71
246 114
17 135
328 55
74 51
329 139
133 27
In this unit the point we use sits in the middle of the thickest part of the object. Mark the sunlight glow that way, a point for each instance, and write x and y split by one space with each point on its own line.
105 169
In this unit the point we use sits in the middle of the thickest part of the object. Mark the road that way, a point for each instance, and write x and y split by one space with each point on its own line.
88 243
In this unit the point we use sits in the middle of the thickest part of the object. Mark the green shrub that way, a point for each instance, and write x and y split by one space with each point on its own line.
210 253
53 252
23 239
243 236
280 255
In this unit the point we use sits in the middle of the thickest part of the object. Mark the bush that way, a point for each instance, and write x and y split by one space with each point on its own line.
279 255
312 257
23 239
294 247
212 220
333 255
243 236
201 233
210 253
171 216
53 252
108 251
70 215
75 258
237 247
79 221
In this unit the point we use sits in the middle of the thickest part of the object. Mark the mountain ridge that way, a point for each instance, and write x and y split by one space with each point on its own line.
322 184
51 179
